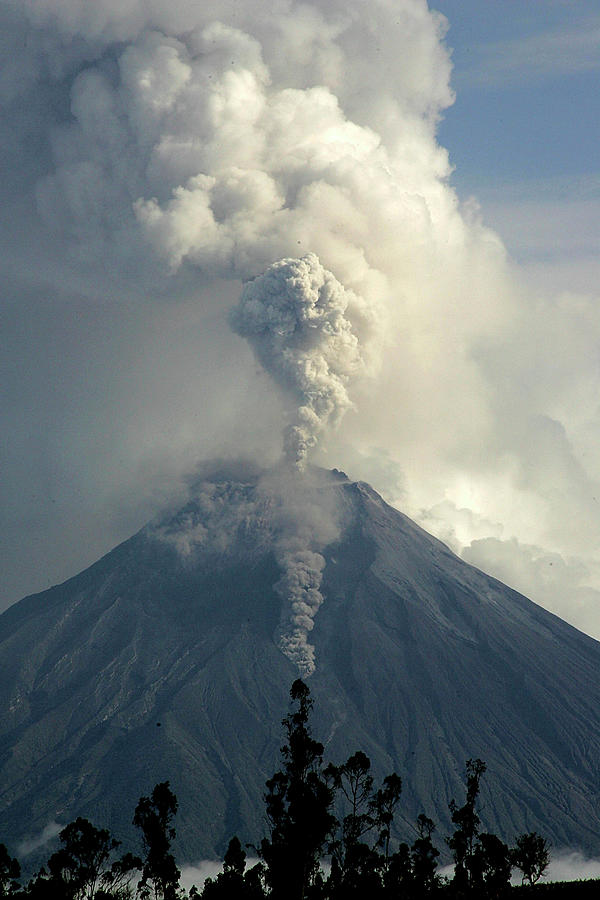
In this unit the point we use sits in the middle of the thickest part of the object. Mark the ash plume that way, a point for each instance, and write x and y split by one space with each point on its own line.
294 316
160 154
307 521
299 589
290 514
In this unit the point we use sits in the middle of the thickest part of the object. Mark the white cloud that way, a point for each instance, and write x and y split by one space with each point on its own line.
562 586
551 53
571 865
197 873
565 865
551 226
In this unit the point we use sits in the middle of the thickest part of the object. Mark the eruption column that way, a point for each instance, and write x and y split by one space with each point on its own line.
294 316
299 589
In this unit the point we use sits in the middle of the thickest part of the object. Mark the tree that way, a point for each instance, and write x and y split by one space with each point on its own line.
154 815
10 871
116 882
298 807
231 883
82 869
357 866
412 871
398 876
531 855
234 861
350 855
493 865
354 780
383 806
423 858
464 840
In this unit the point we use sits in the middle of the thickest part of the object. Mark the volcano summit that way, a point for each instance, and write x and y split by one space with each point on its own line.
172 657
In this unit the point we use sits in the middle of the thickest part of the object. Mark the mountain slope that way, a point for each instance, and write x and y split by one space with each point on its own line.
162 661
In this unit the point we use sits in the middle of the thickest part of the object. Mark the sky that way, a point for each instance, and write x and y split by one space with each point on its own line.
440 165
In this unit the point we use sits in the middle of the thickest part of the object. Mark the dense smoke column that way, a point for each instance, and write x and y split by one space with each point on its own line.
299 590
286 511
294 316
306 519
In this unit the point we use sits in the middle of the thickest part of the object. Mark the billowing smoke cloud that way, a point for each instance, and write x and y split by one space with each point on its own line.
290 514
299 590
294 316
156 156
307 521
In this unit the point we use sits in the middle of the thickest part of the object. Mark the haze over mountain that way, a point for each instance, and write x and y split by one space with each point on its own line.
172 657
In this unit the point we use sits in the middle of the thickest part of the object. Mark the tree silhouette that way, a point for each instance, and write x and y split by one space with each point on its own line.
494 865
384 805
531 855
356 866
349 853
298 807
82 869
463 841
398 875
153 816
232 883
423 857
10 871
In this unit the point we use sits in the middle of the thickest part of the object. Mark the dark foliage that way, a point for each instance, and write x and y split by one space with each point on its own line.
423 859
84 868
10 871
298 807
357 863
154 816
531 855
464 841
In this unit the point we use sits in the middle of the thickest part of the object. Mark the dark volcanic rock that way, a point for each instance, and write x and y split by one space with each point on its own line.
161 662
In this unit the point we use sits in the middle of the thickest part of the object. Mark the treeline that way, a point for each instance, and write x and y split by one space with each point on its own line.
329 838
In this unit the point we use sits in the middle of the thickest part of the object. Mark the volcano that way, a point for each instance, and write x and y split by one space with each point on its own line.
164 660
